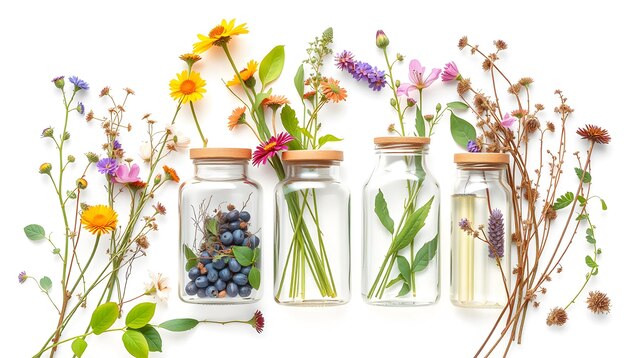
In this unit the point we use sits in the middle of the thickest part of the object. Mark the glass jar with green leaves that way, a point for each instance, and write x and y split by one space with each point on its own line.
401 226
220 232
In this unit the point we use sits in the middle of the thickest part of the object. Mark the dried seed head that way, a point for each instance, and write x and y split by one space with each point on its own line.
550 126
525 81
105 91
539 107
143 242
598 302
549 213
500 45
532 124
462 42
487 64
557 316
463 86
515 88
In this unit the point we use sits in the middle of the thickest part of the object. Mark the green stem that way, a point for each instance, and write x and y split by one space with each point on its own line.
195 119
392 84
590 273
46 293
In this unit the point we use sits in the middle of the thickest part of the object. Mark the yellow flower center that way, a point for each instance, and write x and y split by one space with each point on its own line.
217 31
270 146
188 87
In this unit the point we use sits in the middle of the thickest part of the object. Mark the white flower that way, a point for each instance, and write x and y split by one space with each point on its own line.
176 139
158 287
145 152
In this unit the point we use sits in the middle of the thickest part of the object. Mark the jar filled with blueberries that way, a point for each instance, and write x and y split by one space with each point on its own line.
220 233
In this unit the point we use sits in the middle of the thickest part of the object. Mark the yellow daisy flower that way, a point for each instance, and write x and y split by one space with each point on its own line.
99 219
245 74
188 87
219 35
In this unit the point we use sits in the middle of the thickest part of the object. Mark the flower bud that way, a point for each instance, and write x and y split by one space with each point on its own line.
382 41
410 102
398 83
157 179
66 135
429 117
92 157
438 108
59 82
81 183
80 108
399 57
45 168
392 102
71 158
48 132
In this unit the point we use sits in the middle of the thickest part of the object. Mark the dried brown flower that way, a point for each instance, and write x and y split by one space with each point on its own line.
544 290
532 124
563 109
594 133
463 86
500 45
391 128
143 242
531 195
89 116
159 208
557 316
462 42
487 64
515 88
129 91
519 113
525 81
549 213
481 103
536 304
105 91
598 302
550 126
539 107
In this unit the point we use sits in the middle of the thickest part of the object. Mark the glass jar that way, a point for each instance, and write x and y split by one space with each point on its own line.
481 231
220 232
401 226
312 234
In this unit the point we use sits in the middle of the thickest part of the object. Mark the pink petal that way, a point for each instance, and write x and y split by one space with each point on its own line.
134 172
434 74
416 71
403 89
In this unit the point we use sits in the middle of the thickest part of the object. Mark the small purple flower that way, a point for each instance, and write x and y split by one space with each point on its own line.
473 147
78 83
22 277
361 70
464 224
508 121
80 108
117 145
495 233
107 166
376 79
345 61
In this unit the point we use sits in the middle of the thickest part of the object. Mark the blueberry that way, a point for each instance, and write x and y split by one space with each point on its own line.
233 215
202 293
223 228
209 266
245 291
240 279
227 238
212 275
220 285
191 288
232 289
219 264
234 265
202 282
245 216
225 274
233 225
245 270
254 241
194 273
211 291
205 258
238 236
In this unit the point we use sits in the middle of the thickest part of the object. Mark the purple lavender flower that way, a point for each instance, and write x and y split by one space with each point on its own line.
79 84
80 108
495 233
361 70
22 277
376 79
107 166
117 145
345 61
464 224
473 147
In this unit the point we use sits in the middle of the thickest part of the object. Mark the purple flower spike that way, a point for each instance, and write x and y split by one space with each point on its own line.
473 147
495 233
345 61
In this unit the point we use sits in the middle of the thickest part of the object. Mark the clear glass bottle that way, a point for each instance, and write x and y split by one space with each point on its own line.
481 203
312 233
401 226
220 232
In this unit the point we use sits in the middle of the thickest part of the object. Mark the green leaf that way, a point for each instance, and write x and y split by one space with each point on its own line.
425 255
563 201
306 133
298 81
244 255
395 280
103 317
584 176
56 251
152 336
462 130
328 138
179 324
212 226
404 268
404 290
45 283
412 226
589 261
136 344
79 346
35 232
457 105
254 277
582 217
381 210
290 123
604 207
594 271
581 200
140 315
420 124
590 236
272 65
258 99
256 254
192 259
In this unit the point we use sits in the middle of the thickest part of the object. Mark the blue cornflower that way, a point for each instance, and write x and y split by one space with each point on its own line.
78 83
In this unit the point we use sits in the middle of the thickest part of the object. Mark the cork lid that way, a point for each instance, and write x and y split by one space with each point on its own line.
413 141
481 158
220 153
312 155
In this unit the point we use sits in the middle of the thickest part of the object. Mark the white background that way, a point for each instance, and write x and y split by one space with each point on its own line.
136 44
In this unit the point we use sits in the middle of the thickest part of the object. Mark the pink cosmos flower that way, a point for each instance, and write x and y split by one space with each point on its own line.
267 150
450 72
125 174
416 76
508 121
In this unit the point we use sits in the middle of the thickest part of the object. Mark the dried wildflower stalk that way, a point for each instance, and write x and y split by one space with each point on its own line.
535 199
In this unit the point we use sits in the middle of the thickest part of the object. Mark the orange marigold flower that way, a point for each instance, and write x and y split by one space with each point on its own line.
237 117
245 74
99 219
275 101
595 134
219 35
309 95
170 174
332 91
190 58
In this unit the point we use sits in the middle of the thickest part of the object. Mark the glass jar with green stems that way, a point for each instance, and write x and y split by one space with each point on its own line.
312 243
480 265
220 232
401 226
